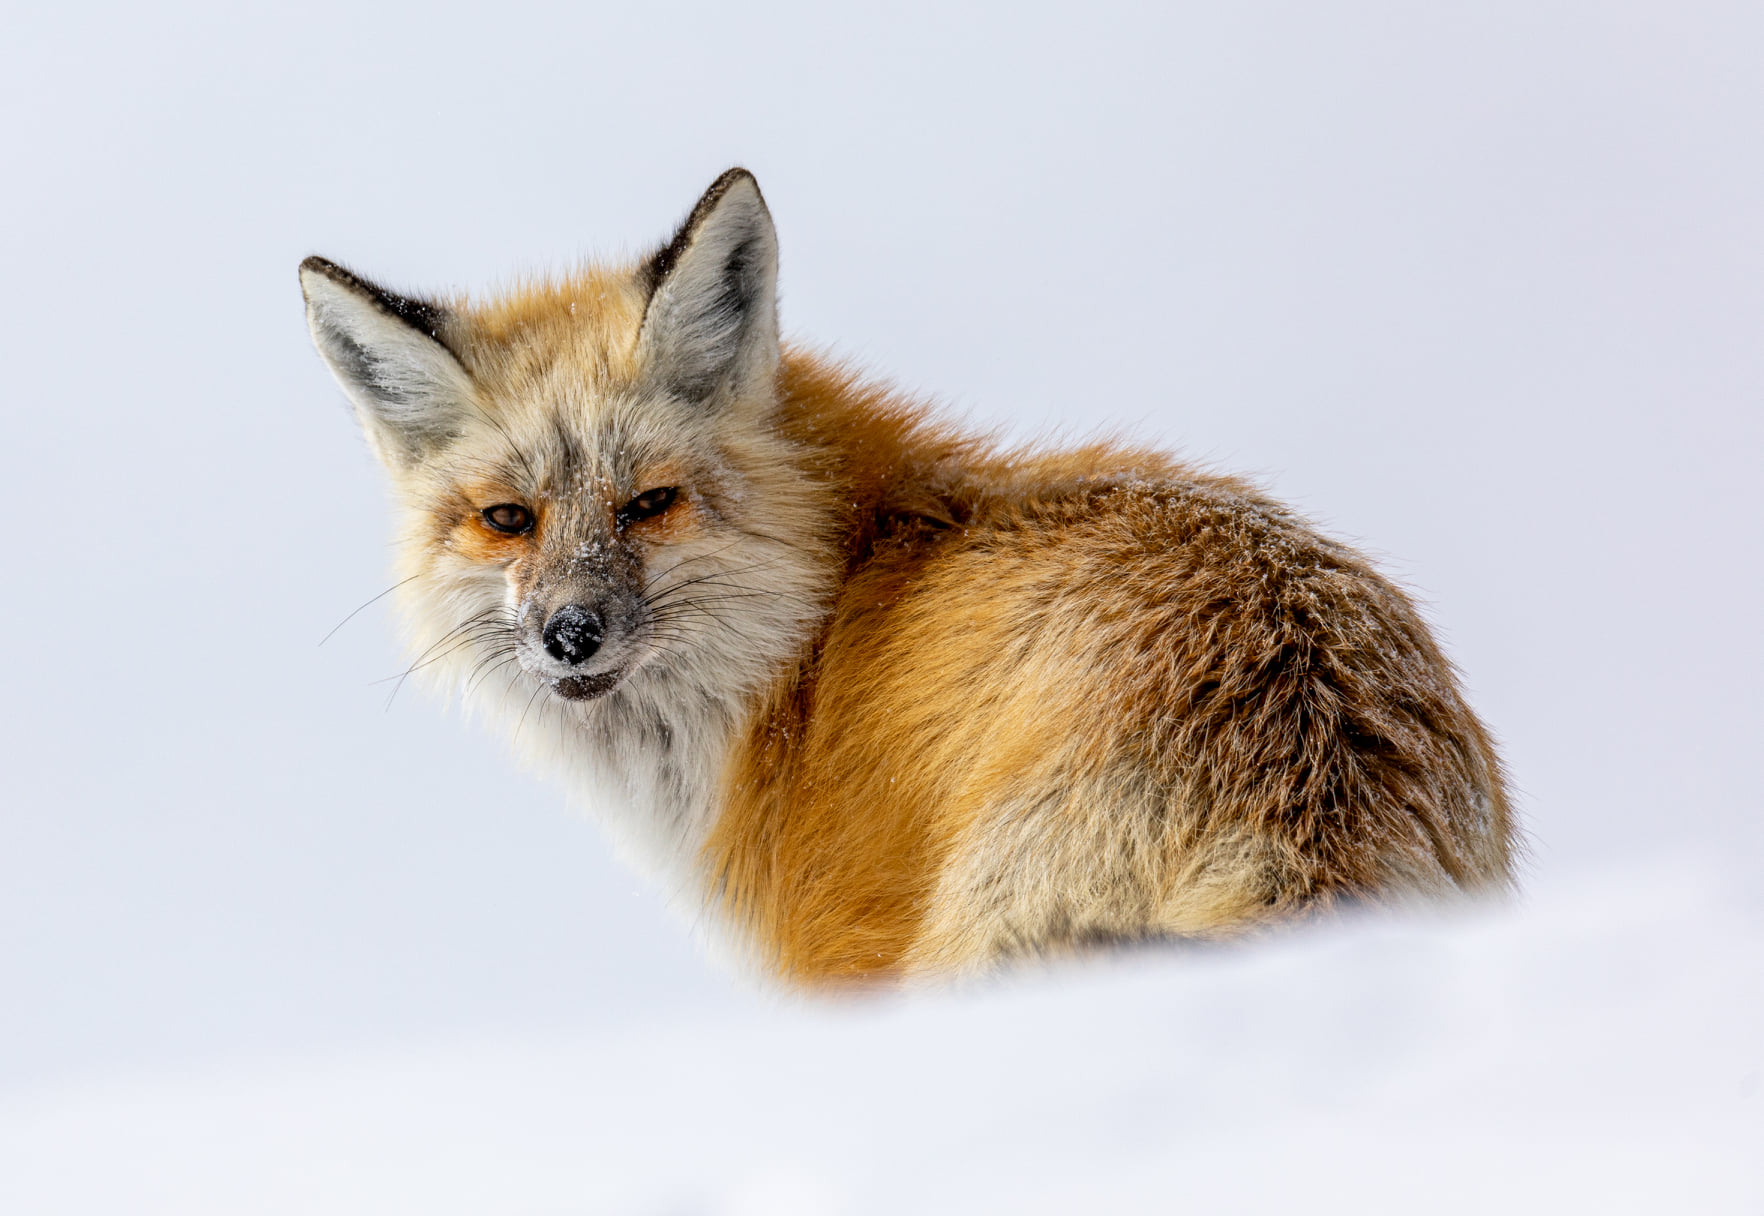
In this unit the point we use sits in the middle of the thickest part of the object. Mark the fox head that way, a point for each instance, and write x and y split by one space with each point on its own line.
599 520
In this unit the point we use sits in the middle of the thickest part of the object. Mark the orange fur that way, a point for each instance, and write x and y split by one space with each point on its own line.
941 689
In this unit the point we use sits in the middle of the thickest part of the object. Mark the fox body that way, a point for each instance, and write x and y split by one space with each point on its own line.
888 699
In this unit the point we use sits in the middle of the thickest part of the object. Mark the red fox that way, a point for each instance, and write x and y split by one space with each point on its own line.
890 700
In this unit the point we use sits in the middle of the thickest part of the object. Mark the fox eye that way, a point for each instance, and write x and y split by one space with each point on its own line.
509 517
647 505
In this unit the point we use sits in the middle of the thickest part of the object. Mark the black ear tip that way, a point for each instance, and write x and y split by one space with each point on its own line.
323 268
419 313
727 181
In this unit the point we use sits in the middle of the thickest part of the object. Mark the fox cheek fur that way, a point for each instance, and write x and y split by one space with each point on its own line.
884 698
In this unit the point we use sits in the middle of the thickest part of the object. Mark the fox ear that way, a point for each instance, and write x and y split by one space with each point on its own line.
390 354
711 325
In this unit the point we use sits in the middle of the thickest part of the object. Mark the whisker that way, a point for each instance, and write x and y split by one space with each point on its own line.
526 711
720 598
513 446
720 578
480 620
419 666
652 581
463 634
714 574
375 600
487 672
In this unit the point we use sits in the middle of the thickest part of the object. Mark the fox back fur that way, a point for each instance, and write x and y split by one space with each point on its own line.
889 699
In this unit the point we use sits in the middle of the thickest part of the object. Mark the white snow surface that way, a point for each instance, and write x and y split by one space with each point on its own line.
1594 1050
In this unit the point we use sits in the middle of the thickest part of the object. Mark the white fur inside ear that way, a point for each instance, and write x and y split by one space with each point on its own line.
409 389
712 322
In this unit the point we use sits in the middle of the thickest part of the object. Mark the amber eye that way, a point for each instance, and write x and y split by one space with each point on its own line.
509 517
648 504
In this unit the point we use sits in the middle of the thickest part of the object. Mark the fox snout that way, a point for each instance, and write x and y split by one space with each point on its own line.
573 634
582 641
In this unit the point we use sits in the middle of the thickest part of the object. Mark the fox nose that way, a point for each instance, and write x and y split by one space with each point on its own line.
572 634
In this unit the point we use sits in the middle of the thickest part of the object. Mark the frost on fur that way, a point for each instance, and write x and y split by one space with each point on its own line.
883 698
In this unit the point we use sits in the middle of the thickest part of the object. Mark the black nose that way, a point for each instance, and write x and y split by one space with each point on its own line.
572 634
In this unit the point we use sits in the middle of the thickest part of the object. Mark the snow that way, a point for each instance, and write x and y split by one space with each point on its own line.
1596 1050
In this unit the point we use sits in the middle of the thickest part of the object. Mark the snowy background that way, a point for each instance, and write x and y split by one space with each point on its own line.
1479 286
